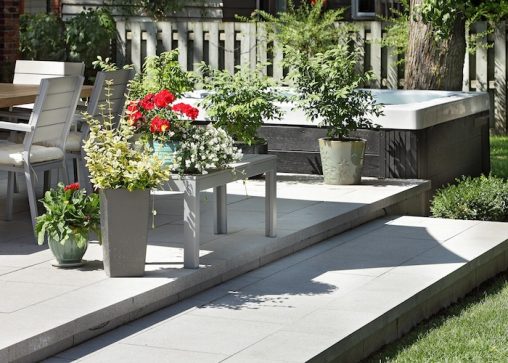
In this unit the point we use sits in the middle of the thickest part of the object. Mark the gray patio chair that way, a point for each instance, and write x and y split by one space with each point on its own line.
96 105
43 147
32 72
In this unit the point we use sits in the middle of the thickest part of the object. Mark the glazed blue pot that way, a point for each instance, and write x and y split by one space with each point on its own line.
165 150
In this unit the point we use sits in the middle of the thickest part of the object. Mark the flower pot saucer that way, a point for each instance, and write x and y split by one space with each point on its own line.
55 263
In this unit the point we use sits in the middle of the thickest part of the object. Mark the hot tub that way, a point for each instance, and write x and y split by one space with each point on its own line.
435 135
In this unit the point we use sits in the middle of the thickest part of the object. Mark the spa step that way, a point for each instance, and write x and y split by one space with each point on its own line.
339 300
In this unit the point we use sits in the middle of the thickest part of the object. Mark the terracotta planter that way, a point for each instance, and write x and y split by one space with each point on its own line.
124 226
342 161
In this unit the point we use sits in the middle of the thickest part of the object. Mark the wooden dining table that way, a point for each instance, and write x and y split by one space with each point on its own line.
18 94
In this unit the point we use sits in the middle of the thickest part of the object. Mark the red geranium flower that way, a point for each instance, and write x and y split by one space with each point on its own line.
147 102
159 124
133 107
187 110
73 186
163 98
135 118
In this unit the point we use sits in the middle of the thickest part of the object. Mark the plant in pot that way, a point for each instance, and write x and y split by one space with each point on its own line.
240 103
70 216
124 172
204 149
161 122
327 85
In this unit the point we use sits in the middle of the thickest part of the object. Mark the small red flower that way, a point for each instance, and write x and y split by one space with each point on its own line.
133 107
73 186
163 98
187 110
159 124
136 118
147 102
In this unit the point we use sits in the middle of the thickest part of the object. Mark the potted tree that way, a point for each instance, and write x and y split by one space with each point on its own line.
70 217
239 103
124 172
327 89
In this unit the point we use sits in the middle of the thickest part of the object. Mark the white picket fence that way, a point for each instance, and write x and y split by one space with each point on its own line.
227 44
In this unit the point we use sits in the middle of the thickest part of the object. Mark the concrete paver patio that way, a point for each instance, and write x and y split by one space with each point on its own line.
44 310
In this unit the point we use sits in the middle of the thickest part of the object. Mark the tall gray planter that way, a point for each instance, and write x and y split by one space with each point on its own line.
124 225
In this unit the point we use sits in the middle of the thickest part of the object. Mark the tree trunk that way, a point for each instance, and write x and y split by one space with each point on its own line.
432 64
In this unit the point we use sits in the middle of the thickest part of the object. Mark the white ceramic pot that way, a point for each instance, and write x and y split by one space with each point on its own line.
342 161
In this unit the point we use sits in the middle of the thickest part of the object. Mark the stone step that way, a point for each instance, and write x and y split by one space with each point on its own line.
339 300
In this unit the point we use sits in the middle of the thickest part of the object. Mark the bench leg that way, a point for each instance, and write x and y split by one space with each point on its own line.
221 214
191 229
270 203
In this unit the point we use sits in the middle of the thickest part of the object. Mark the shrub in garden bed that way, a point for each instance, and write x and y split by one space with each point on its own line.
484 198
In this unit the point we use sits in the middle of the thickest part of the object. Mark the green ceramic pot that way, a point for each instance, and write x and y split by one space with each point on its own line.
67 254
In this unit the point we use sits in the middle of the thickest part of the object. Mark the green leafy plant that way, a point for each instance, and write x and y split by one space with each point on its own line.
41 37
239 103
327 85
115 161
161 72
484 198
70 213
305 28
89 34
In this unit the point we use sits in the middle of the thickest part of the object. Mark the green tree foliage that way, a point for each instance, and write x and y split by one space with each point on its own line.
89 34
307 28
41 37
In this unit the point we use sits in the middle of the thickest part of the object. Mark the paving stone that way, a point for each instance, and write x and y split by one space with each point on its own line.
187 332
136 353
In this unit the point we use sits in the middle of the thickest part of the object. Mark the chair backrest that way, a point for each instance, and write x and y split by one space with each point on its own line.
117 93
31 72
53 111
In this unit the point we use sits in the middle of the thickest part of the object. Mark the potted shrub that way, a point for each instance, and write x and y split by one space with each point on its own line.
123 171
239 103
161 121
70 217
327 89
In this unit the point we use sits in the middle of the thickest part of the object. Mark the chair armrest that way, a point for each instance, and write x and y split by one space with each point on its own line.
15 127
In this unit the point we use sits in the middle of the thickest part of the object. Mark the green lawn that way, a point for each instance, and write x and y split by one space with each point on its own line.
499 156
473 330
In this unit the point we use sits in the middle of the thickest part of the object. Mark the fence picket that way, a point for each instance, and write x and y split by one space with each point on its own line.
229 48
213 45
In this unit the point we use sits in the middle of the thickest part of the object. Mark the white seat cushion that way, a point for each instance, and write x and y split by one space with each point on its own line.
73 143
12 154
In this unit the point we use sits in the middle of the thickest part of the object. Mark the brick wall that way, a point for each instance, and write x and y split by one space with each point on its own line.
9 37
